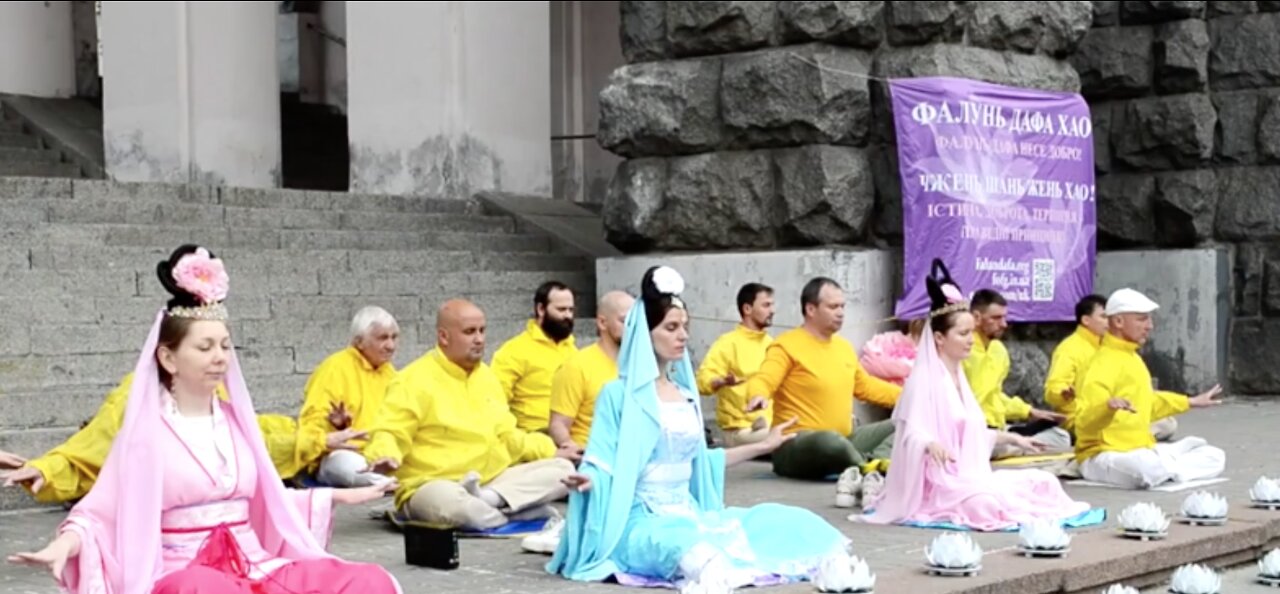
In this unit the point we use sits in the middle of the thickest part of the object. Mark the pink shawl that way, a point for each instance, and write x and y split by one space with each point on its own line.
119 520
966 491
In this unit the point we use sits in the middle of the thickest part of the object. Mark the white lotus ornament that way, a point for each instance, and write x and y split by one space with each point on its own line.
1204 505
1144 517
953 550
844 573
1120 589
1043 534
1265 491
1269 566
1195 579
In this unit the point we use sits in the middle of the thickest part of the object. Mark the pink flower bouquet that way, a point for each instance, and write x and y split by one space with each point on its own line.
889 356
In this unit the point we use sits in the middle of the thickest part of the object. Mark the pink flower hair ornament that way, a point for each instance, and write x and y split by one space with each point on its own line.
202 276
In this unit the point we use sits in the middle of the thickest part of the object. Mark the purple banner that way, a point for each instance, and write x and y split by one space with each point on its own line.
998 182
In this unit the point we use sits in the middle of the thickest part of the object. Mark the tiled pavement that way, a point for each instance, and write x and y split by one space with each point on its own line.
1246 430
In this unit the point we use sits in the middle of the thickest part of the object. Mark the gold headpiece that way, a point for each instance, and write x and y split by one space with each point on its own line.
950 308
215 311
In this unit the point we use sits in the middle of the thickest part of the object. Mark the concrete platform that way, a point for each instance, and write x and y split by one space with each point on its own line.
1099 557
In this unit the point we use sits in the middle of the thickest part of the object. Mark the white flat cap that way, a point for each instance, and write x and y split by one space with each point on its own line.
1130 301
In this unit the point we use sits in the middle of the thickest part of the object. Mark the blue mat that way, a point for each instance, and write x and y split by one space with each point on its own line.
508 530
306 481
1091 517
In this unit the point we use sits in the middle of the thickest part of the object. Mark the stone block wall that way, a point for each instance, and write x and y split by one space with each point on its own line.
742 126
1186 108
742 129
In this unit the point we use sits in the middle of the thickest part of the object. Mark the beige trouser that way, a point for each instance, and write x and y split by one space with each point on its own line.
446 504
744 436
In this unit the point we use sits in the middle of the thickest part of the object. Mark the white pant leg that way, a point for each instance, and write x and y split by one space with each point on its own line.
1138 469
1193 459
342 468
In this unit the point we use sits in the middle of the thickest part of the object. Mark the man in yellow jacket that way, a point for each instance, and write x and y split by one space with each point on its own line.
732 359
580 379
526 364
447 435
344 395
812 374
987 368
1116 405
68 471
1072 356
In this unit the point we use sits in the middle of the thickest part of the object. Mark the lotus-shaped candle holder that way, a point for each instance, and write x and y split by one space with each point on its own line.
1043 535
1195 579
1265 491
1120 589
1269 566
843 573
1205 506
1146 518
953 550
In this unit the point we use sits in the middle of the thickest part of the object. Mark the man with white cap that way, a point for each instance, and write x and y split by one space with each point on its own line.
1116 405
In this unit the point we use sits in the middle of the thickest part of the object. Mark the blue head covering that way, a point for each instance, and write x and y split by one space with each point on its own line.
637 363
625 430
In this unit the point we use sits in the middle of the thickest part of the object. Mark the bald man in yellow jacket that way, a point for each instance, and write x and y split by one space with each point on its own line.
68 471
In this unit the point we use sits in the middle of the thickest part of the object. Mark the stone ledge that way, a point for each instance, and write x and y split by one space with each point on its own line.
1100 558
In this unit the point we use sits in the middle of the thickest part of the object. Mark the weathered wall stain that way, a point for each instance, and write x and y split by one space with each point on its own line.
441 166
128 158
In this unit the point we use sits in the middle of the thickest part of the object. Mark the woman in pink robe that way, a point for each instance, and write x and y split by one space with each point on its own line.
188 501
940 470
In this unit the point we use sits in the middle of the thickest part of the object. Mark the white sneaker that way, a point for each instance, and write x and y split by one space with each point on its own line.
847 487
872 486
548 540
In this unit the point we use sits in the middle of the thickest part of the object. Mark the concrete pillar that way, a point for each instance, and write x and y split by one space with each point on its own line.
191 92
585 49
36 50
333 18
449 98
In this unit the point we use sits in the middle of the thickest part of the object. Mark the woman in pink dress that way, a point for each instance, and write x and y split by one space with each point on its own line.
188 501
941 463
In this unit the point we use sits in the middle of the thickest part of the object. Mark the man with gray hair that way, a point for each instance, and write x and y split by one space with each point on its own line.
343 396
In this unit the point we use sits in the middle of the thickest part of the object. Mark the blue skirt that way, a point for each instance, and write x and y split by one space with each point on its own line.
768 539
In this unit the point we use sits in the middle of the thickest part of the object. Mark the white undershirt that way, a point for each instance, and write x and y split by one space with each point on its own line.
212 448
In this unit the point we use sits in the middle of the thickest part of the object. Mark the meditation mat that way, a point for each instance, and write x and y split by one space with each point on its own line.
641 581
1031 461
1165 488
517 529
1091 517
306 481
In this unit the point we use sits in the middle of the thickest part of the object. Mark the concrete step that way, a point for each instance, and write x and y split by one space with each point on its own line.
157 212
18 140
25 189
91 257
39 169
219 239
75 385
304 280
28 155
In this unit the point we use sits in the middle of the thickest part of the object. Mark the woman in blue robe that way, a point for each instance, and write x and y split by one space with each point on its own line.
647 504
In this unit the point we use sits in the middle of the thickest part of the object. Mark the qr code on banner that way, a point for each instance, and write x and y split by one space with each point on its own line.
1043 278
